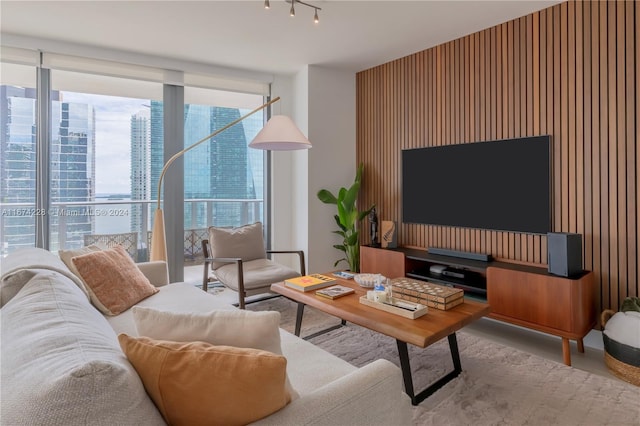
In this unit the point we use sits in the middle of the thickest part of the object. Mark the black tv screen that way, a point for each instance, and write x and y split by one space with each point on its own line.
500 185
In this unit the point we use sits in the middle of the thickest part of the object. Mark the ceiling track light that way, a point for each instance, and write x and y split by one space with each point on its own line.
266 4
292 11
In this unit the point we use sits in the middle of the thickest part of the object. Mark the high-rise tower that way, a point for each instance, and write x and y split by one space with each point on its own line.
72 168
141 188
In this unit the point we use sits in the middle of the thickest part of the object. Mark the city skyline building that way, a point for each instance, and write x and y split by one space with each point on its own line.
141 188
72 168
221 169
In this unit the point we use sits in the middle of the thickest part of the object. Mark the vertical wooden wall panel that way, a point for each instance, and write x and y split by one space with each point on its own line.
570 71
633 120
587 93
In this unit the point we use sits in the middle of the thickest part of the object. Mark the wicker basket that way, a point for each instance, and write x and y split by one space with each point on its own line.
622 360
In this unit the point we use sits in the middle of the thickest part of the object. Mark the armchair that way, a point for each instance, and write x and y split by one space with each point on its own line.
239 261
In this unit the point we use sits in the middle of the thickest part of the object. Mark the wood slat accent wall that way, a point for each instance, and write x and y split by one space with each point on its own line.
570 71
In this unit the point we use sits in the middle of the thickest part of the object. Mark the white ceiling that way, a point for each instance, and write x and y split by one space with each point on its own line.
351 35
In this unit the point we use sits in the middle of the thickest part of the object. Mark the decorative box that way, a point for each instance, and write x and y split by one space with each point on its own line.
433 295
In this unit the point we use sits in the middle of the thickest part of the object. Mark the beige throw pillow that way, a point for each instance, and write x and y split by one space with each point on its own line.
239 328
201 384
245 242
114 281
67 255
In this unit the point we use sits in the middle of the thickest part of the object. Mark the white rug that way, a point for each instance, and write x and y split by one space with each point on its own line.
499 385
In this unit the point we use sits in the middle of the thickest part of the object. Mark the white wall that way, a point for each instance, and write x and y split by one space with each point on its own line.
322 103
332 160
289 215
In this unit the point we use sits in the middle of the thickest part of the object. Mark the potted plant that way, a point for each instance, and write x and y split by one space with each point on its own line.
348 218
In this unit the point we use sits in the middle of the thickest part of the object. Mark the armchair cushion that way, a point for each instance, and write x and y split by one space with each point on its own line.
258 274
245 242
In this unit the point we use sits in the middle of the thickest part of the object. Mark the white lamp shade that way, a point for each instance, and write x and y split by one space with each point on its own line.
280 134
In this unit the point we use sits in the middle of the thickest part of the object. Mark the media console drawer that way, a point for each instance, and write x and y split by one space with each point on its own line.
535 299
542 299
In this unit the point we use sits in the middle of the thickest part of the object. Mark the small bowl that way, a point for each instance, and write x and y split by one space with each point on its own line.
368 280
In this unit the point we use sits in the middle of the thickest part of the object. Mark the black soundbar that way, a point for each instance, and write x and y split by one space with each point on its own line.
461 254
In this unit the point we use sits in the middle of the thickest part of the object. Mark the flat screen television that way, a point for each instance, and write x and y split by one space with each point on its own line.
500 185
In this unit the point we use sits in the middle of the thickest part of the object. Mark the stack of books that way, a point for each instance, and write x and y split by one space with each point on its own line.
309 282
335 292
430 294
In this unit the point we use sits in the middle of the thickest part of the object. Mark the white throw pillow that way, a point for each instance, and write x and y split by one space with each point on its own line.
239 328
242 329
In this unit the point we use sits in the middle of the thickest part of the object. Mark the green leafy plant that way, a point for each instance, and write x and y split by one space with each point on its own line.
348 218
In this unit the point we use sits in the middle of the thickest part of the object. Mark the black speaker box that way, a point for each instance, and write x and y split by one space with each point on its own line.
564 253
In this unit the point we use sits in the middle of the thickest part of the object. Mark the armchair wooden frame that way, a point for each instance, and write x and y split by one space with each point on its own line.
242 293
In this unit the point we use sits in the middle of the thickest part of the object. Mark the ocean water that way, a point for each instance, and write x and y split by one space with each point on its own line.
112 218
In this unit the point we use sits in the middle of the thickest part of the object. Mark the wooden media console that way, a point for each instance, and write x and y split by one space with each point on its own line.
523 295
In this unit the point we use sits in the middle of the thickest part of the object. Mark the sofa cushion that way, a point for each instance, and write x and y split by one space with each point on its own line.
176 297
20 266
62 364
238 328
308 366
201 384
244 242
114 281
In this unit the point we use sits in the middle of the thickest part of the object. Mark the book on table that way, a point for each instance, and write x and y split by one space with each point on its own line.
344 275
309 282
335 291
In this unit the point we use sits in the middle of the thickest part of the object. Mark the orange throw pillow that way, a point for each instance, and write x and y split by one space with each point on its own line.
202 384
113 280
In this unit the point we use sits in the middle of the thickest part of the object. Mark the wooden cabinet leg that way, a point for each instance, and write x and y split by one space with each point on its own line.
580 346
566 351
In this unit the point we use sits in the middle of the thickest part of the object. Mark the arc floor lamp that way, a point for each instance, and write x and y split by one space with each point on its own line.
279 134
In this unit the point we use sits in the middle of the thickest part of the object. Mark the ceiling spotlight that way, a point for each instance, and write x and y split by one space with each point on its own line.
292 10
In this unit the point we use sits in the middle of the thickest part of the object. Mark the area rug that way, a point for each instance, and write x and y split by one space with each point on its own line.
499 385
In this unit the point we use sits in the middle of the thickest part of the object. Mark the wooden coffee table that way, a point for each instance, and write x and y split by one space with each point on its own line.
421 332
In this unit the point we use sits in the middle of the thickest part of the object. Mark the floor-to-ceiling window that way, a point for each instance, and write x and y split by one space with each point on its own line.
100 165
223 178
106 151
17 156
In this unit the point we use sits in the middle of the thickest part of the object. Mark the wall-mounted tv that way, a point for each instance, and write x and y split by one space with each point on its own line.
500 185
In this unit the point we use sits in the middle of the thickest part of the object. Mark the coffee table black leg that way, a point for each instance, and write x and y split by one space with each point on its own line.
406 371
405 366
455 355
299 314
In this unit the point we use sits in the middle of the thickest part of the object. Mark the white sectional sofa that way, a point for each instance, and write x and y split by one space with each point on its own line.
62 364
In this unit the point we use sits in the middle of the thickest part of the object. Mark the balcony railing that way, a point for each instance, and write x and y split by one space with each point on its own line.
69 222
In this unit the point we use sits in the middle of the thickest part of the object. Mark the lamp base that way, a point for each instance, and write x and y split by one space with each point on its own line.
158 239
